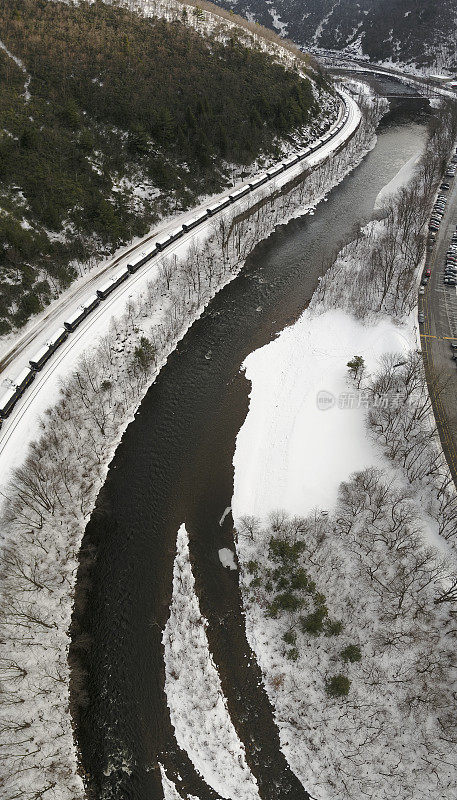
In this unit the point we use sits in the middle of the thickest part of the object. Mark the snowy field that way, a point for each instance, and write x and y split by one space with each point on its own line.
301 437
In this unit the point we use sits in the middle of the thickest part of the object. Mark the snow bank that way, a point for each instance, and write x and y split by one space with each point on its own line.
198 708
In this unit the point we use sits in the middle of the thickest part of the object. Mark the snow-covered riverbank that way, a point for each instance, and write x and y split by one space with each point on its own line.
337 490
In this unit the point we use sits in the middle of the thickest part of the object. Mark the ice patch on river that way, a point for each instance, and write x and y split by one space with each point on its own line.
198 709
402 177
227 558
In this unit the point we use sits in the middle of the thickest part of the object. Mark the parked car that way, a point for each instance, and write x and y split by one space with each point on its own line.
421 289
428 272
421 317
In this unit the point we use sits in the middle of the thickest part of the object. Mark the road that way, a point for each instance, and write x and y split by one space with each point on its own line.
439 304
21 425
429 84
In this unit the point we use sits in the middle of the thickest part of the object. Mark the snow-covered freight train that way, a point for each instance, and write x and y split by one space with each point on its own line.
19 385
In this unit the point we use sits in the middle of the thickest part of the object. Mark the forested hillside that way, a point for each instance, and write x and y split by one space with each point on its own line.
108 121
421 32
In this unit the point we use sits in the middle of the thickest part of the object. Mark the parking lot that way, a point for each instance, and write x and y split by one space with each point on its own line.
439 329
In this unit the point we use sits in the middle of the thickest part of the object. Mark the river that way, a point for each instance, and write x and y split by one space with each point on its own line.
174 465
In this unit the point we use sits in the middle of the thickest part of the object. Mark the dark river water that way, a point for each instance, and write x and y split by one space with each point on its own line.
174 465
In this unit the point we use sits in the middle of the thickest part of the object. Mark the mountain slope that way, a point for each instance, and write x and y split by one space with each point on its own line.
109 121
415 31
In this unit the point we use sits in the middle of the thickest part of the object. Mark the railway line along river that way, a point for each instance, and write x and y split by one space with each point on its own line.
174 465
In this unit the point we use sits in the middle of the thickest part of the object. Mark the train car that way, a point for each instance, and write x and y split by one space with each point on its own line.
259 181
110 285
106 289
7 401
139 259
163 241
23 379
194 221
215 207
176 234
274 171
122 275
238 193
289 162
57 338
45 352
72 322
40 357
91 303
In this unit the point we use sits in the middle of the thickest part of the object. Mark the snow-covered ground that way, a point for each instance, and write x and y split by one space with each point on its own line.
305 430
198 708
313 470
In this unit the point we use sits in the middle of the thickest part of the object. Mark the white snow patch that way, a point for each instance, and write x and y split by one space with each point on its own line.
284 425
198 709
21 66
278 24
227 558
